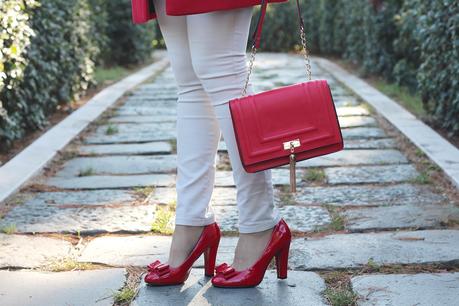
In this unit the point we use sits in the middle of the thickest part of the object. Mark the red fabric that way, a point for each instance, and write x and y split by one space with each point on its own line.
141 12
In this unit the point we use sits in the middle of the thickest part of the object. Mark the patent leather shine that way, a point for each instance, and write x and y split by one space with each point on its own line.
278 247
162 274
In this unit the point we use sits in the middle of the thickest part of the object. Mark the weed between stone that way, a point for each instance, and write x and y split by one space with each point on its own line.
127 294
86 171
173 143
339 290
9 229
68 264
316 175
337 221
164 219
111 129
144 191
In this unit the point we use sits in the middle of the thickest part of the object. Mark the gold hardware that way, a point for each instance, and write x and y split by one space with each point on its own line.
291 143
292 173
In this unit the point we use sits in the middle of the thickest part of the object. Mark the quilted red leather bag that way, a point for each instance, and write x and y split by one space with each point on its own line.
286 124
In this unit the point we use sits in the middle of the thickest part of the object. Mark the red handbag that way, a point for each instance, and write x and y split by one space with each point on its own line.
286 124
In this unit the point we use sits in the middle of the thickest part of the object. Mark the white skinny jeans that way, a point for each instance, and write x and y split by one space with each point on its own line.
207 53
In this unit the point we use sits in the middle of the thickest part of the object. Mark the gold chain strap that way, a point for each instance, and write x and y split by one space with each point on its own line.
305 54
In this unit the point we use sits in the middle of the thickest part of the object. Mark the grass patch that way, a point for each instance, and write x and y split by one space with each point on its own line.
422 178
8 229
144 191
337 222
316 175
125 295
403 96
106 75
339 291
68 264
86 171
340 297
371 266
173 143
164 217
111 129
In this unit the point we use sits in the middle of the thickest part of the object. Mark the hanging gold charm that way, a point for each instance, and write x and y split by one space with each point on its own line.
291 145
292 173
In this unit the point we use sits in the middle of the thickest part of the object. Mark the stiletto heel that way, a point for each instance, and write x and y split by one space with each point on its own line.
278 247
210 256
163 274
282 262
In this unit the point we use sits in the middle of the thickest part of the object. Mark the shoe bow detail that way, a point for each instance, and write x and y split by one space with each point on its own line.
158 268
226 270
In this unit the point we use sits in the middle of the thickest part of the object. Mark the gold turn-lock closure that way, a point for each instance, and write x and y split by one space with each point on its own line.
291 145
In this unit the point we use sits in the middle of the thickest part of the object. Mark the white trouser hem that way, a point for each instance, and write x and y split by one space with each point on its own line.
194 222
259 227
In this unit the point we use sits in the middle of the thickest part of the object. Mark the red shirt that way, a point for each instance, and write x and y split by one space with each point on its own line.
143 10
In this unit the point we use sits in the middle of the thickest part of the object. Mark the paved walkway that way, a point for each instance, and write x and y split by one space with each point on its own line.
369 226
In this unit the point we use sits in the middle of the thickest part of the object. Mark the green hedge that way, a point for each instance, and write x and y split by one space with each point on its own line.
414 43
49 50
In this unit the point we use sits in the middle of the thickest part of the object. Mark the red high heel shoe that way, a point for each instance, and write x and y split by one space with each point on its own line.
278 246
162 274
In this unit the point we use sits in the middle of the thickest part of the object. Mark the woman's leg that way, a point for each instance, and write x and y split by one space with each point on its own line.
218 43
198 135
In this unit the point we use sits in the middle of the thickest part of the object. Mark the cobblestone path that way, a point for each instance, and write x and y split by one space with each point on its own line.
370 225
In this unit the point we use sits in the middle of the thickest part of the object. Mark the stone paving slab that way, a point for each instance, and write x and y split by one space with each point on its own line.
356 121
341 101
34 217
371 174
352 111
131 137
280 176
124 164
363 132
133 132
354 157
404 216
67 199
142 119
299 218
366 195
148 148
139 128
298 288
92 287
140 250
385 143
24 251
145 111
354 250
399 194
423 289
112 182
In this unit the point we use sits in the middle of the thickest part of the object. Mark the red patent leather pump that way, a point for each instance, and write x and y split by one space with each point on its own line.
278 246
162 274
